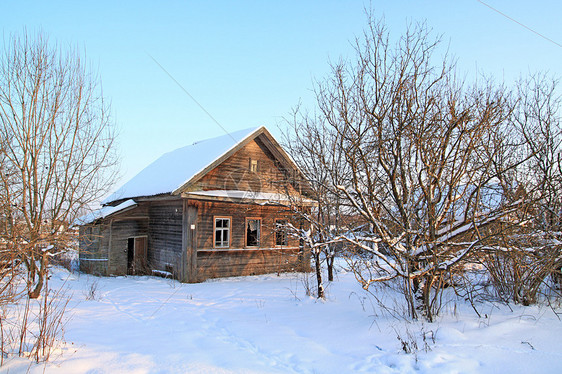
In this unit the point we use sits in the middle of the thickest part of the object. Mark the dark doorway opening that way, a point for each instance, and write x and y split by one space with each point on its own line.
137 255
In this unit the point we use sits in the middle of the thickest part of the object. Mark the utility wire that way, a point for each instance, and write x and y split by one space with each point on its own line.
211 117
520 24
191 97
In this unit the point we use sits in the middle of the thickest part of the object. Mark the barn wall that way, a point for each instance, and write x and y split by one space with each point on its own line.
165 235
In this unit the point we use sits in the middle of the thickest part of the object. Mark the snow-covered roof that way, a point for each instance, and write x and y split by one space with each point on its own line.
174 169
104 212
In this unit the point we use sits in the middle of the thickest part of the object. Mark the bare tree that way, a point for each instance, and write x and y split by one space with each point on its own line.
57 148
523 260
418 150
319 157
537 117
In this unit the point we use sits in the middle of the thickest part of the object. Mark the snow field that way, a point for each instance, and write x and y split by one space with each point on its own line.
266 324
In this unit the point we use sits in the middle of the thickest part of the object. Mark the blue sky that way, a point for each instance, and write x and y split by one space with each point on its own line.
250 62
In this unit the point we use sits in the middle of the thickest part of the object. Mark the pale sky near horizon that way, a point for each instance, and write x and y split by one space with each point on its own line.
248 63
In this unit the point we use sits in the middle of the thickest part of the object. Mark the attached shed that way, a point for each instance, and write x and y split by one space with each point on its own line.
217 208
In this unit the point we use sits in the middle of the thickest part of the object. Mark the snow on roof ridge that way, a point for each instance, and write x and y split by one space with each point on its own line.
170 171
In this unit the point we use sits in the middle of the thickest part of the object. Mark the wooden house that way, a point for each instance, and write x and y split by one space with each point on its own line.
217 208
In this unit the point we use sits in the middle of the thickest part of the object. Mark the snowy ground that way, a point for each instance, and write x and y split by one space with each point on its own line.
266 324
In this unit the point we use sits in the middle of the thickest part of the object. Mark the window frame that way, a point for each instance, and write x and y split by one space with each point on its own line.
215 218
254 162
246 232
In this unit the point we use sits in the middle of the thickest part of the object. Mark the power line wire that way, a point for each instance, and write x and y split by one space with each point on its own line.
520 24
191 97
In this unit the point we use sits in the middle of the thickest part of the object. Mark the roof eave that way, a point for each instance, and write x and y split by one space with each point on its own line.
248 200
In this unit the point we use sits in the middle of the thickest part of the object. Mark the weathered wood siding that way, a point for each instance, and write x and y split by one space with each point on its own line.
93 254
108 254
189 255
216 264
121 231
165 235
234 173
238 260
239 212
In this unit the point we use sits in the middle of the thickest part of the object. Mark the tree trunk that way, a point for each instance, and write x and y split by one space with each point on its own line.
330 266
41 275
37 290
410 297
426 297
316 255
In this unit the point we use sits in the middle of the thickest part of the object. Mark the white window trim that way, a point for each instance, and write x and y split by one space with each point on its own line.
228 229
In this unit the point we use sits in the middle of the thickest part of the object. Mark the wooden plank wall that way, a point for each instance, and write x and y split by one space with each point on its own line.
234 173
165 235
217 264
238 260
238 213
162 221
93 253
111 243
119 228
121 231
189 255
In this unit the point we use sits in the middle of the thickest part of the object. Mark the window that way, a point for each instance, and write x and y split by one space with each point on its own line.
222 232
281 232
254 166
253 227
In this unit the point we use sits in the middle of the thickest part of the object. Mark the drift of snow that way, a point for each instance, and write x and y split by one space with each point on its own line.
266 324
